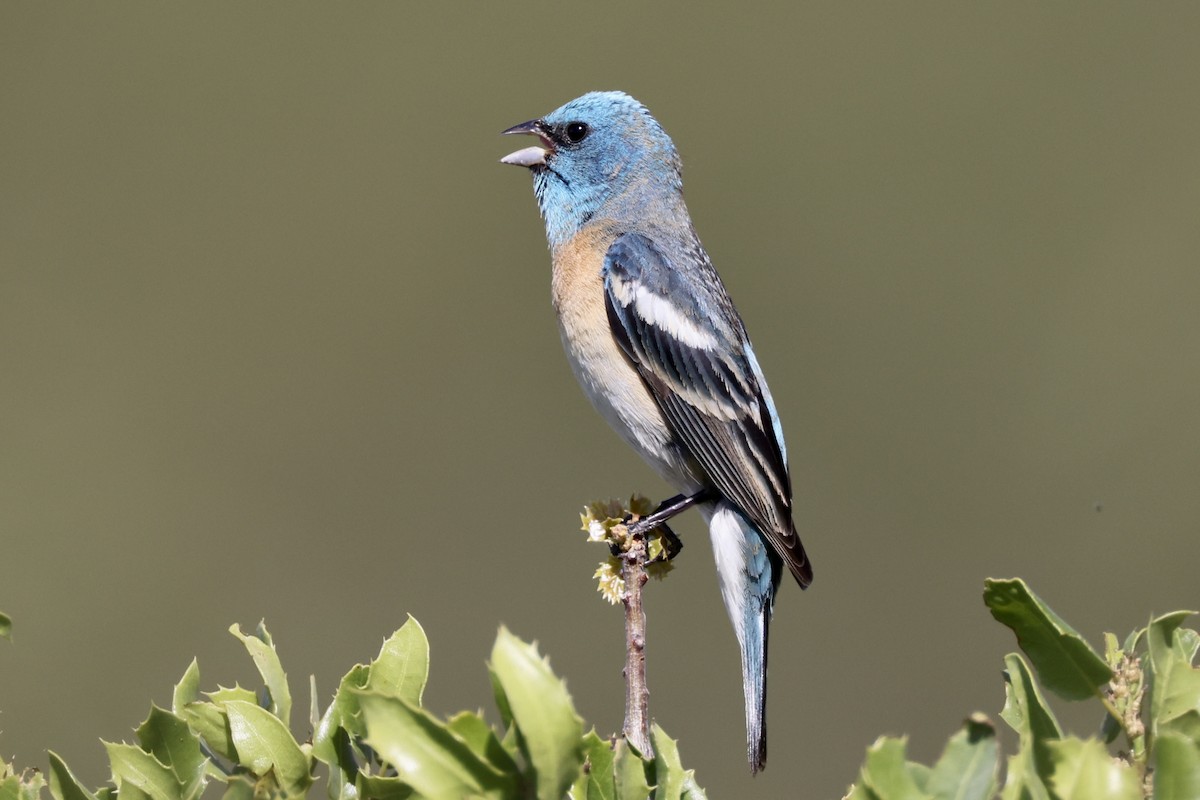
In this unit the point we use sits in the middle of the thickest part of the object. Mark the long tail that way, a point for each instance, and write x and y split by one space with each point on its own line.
749 579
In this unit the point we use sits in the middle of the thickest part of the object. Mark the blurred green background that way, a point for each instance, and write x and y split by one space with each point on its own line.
275 341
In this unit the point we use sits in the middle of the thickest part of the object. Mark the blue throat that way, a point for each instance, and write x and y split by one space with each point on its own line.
565 207
569 199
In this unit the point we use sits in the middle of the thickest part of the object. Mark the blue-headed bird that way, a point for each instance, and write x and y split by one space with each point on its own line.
659 349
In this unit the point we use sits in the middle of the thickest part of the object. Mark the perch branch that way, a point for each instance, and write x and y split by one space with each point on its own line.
637 695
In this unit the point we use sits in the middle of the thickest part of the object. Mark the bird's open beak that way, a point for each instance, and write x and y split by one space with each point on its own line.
531 157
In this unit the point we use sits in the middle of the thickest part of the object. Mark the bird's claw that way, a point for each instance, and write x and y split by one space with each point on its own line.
672 544
642 527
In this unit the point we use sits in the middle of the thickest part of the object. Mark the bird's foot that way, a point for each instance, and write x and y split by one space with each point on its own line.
672 544
643 528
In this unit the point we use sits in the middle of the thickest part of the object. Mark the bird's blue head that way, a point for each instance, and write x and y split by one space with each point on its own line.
601 154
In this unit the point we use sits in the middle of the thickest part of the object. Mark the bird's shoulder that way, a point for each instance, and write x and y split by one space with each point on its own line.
668 280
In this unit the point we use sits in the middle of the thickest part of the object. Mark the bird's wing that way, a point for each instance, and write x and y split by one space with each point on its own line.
678 327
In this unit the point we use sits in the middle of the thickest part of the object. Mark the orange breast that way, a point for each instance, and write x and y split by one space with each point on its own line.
607 376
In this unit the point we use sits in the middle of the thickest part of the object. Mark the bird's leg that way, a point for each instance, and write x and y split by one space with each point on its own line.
666 510
669 508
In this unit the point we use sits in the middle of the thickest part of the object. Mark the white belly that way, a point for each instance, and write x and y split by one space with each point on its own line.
617 392
608 379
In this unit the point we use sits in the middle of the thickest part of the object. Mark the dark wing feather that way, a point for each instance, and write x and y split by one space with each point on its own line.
685 339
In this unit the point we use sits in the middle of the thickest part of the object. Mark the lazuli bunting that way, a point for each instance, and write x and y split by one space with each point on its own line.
661 352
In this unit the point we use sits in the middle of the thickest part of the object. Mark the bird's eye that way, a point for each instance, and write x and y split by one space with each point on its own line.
576 132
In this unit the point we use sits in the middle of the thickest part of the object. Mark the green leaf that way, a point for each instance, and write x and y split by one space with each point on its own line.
1016 777
133 766
1187 642
630 772
1026 712
262 651
690 790
63 784
343 712
264 744
502 705
919 774
478 735
550 730
1177 768
596 780
31 786
1083 770
344 769
859 792
239 787
15 788
969 765
668 769
885 773
1133 639
5 626
211 724
223 695
130 791
400 670
188 688
402 666
1175 687
1112 651
1065 662
376 787
314 708
172 742
426 754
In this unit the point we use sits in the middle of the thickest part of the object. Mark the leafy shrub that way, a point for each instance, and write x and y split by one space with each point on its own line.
374 739
1147 687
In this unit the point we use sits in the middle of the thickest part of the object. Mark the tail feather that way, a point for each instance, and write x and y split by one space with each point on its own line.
749 573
